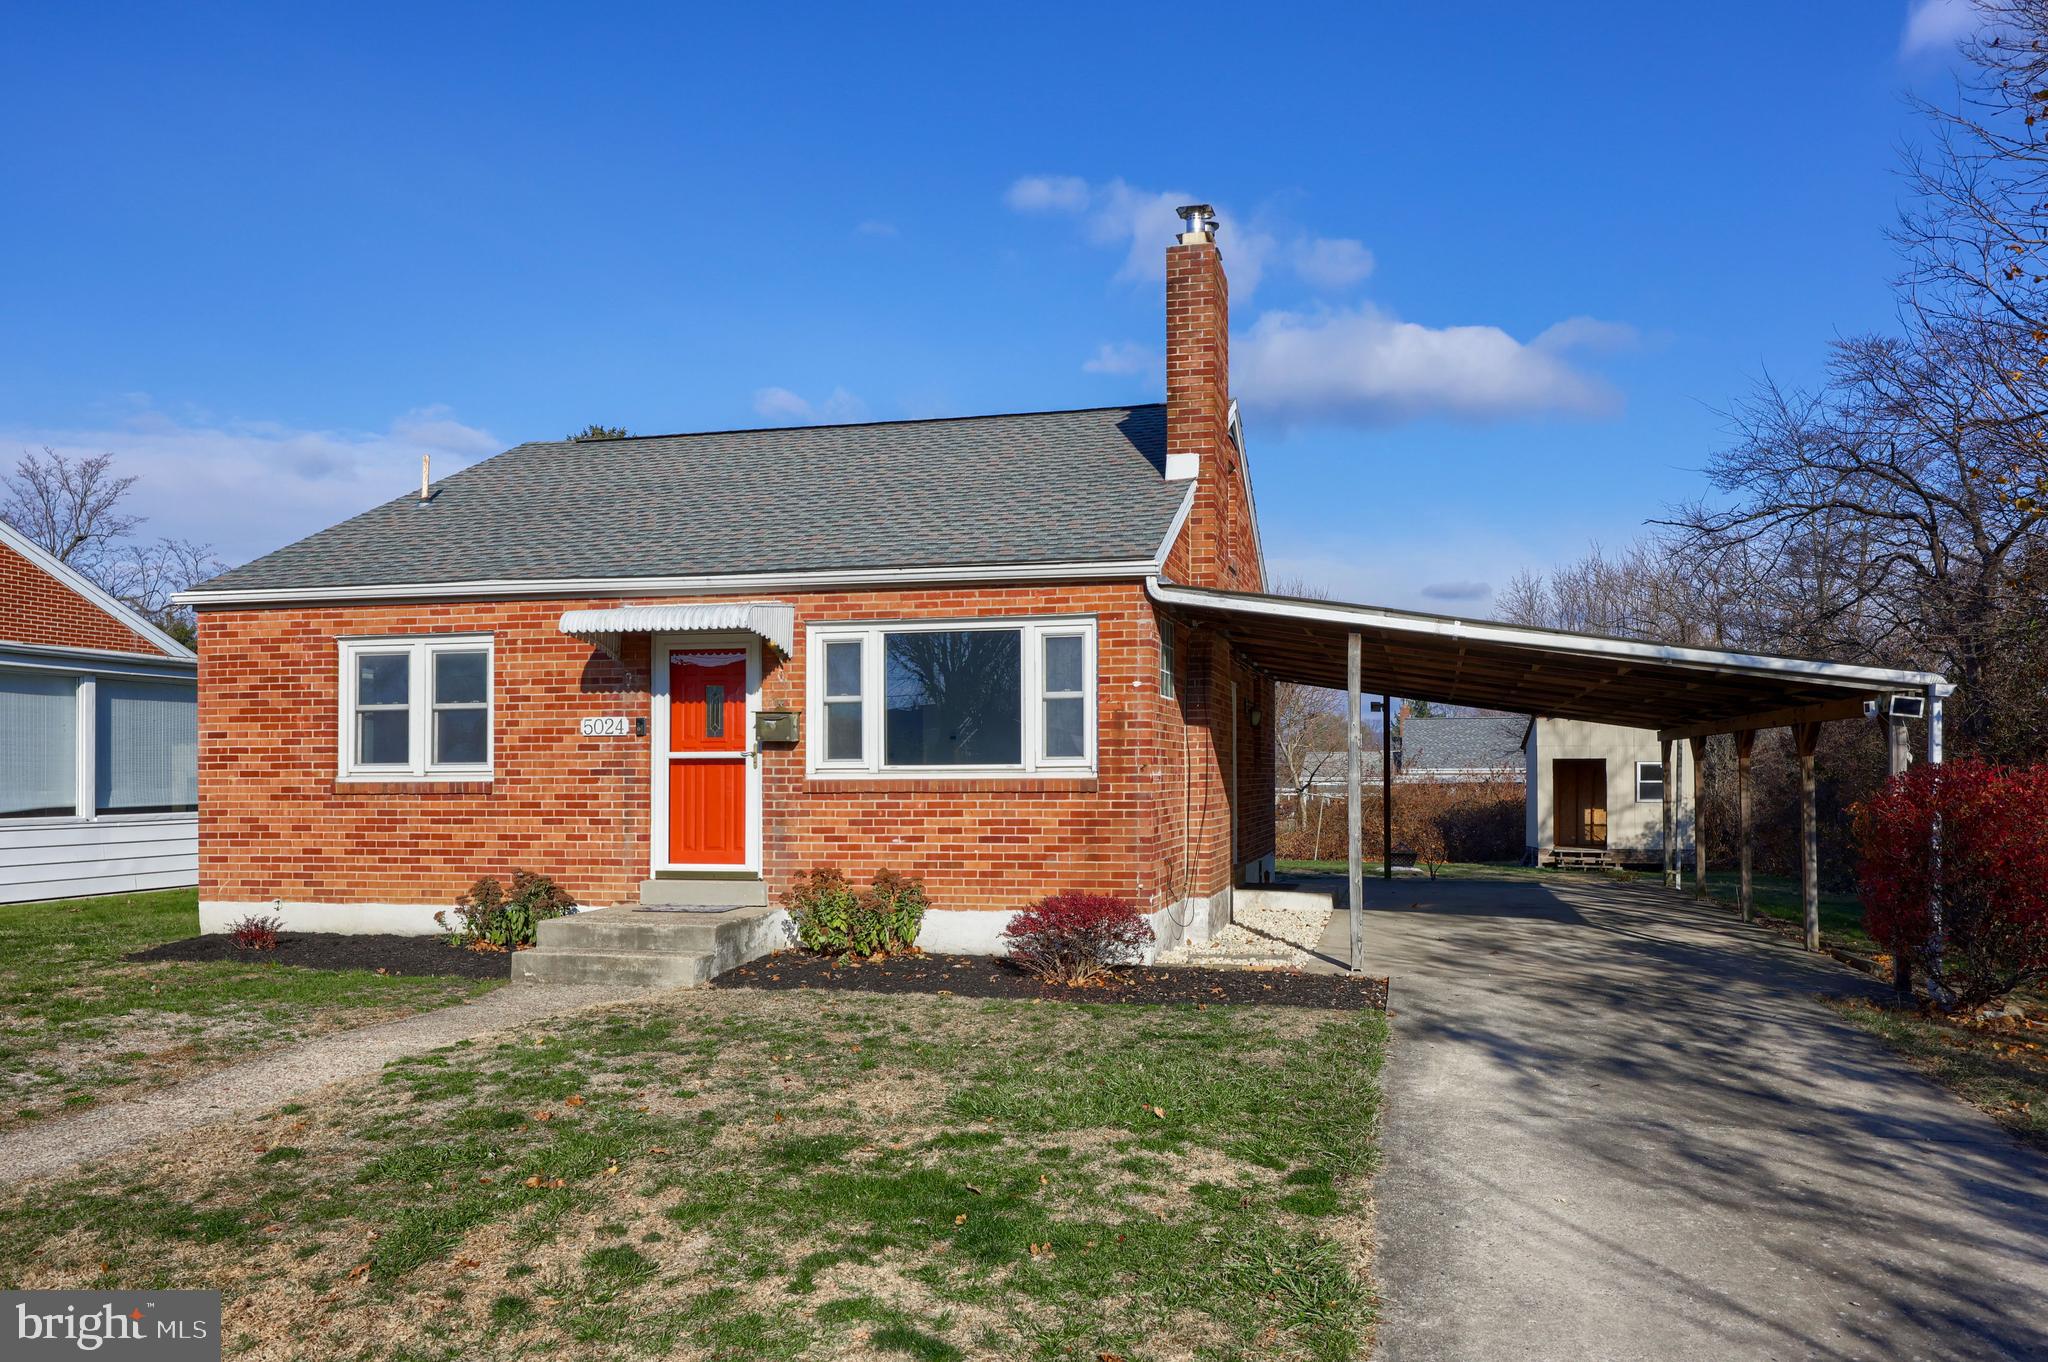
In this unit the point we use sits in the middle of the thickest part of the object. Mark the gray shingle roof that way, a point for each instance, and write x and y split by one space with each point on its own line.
1042 487
1464 742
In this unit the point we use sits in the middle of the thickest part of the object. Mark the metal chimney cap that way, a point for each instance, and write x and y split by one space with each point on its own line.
1199 222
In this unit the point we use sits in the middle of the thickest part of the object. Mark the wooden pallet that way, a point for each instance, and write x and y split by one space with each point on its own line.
1566 858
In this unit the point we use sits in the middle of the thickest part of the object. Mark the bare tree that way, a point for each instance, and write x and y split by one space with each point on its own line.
1976 235
72 507
69 507
1852 522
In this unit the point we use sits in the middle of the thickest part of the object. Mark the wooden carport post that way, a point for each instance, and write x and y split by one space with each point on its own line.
1745 741
1354 739
1699 815
1807 737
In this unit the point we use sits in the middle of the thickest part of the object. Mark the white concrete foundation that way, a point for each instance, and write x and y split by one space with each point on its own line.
353 919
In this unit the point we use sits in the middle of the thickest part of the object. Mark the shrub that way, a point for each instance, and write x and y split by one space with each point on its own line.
256 932
489 918
834 918
1990 882
1076 938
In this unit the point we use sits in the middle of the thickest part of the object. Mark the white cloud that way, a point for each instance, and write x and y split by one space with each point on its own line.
247 487
1123 357
1587 333
876 227
1457 591
1362 366
1048 193
791 408
1142 223
1937 25
1332 262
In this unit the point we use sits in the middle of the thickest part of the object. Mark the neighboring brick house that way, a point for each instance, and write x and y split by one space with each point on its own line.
688 668
98 765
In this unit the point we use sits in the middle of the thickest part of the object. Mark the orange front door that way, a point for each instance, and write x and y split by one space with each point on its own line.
707 757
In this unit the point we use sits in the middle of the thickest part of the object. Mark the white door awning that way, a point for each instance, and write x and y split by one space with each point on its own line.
772 621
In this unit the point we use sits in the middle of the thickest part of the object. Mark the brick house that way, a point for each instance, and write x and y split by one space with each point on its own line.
98 766
680 670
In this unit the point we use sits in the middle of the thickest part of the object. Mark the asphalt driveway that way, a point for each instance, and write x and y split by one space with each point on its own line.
1619 1126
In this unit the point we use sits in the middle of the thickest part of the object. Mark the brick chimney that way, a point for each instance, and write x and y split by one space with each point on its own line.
1199 445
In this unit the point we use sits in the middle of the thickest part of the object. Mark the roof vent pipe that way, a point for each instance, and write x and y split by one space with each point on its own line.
426 464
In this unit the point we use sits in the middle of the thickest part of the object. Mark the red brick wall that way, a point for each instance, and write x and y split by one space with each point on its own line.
275 823
37 608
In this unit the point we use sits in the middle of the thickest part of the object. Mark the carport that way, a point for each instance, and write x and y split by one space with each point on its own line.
1685 694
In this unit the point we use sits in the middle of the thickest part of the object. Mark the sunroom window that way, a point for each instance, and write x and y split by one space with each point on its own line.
962 697
416 708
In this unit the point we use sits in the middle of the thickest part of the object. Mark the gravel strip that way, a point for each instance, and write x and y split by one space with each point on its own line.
1257 936
257 1086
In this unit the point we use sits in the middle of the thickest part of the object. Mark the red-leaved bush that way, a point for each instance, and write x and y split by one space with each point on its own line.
1990 881
1076 938
256 933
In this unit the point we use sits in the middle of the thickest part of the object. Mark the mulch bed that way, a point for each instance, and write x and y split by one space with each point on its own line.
383 954
981 976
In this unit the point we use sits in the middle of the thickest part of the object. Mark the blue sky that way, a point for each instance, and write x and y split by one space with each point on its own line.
1496 266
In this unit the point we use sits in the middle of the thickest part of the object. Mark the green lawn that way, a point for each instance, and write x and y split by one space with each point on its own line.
78 1024
725 1174
1777 896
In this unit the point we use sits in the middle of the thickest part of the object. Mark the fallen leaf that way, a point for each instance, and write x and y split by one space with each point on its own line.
543 1116
612 1171
573 1100
960 1219
358 1270
533 1181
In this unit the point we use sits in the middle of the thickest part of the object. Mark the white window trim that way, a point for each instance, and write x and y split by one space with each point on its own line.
1169 659
420 650
1656 798
874 714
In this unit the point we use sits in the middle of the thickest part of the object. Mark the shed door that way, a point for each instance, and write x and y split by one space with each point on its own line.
1579 795
707 758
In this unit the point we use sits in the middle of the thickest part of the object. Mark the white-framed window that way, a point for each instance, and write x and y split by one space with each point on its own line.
1649 782
39 732
87 746
416 707
1169 659
952 697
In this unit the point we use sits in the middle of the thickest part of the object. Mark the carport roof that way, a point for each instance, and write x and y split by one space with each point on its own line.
1681 692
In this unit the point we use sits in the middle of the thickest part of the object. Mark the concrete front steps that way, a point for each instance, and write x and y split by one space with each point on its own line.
625 947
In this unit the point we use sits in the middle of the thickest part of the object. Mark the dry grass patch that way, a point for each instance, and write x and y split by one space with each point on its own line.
762 1175
80 1025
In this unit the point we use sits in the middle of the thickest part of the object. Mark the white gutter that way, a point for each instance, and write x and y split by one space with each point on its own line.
1552 640
716 584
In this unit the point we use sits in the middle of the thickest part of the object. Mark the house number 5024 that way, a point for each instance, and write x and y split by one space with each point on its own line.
604 728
